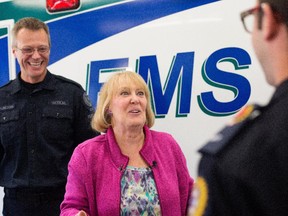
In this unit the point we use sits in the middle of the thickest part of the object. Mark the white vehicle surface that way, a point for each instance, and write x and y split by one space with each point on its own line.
194 55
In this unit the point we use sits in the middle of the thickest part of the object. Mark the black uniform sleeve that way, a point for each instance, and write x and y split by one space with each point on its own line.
83 116
1 152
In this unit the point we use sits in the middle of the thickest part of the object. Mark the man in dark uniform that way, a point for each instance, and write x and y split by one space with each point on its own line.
244 169
43 117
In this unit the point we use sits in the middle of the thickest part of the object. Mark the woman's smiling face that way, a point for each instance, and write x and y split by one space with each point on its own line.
128 107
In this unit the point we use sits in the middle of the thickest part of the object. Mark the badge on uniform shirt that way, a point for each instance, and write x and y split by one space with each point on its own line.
199 198
86 100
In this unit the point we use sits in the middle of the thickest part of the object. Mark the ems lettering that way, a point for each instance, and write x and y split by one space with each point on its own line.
228 80
179 81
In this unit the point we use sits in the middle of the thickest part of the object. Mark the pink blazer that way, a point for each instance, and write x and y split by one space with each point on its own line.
97 165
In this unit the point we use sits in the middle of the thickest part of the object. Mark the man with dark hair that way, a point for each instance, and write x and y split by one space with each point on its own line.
43 117
244 169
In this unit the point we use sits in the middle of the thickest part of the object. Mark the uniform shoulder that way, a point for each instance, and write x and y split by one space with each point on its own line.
66 80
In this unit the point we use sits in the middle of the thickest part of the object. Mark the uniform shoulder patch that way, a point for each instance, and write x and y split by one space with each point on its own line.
199 198
87 100
243 113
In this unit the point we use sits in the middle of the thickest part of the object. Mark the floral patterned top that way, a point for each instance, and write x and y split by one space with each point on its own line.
138 193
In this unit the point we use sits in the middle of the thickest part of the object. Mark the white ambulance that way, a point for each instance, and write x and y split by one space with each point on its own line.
194 54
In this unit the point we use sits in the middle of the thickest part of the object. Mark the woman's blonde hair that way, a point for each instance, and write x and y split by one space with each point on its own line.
101 120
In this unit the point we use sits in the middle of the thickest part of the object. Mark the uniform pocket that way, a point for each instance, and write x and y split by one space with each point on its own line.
8 116
57 123
58 113
10 128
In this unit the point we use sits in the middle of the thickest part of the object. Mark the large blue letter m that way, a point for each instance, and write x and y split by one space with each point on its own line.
181 73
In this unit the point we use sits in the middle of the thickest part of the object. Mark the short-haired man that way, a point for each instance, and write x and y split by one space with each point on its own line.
43 117
244 171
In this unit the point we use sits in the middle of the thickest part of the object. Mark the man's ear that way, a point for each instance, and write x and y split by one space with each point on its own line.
269 23
14 51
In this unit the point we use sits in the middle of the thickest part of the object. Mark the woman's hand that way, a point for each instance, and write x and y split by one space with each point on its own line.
81 213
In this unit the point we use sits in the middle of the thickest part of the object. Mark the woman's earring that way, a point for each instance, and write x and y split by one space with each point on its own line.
109 112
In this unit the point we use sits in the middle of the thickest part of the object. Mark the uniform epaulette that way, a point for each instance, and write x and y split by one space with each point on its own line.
223 137
68 80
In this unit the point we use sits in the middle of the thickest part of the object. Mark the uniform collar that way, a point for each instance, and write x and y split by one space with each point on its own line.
280 92
47 83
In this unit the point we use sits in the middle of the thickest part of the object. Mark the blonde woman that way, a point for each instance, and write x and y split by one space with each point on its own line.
129 169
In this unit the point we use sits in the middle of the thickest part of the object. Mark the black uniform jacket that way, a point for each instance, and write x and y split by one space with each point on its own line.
40 126
244 170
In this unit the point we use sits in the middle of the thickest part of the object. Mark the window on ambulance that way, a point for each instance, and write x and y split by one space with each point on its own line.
62 5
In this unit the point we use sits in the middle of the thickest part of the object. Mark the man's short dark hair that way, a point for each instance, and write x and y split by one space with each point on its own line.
30 23
279 7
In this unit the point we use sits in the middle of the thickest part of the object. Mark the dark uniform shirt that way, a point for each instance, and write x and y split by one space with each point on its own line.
40 125
244 169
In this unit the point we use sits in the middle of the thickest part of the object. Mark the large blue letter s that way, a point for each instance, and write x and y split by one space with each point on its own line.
236 83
